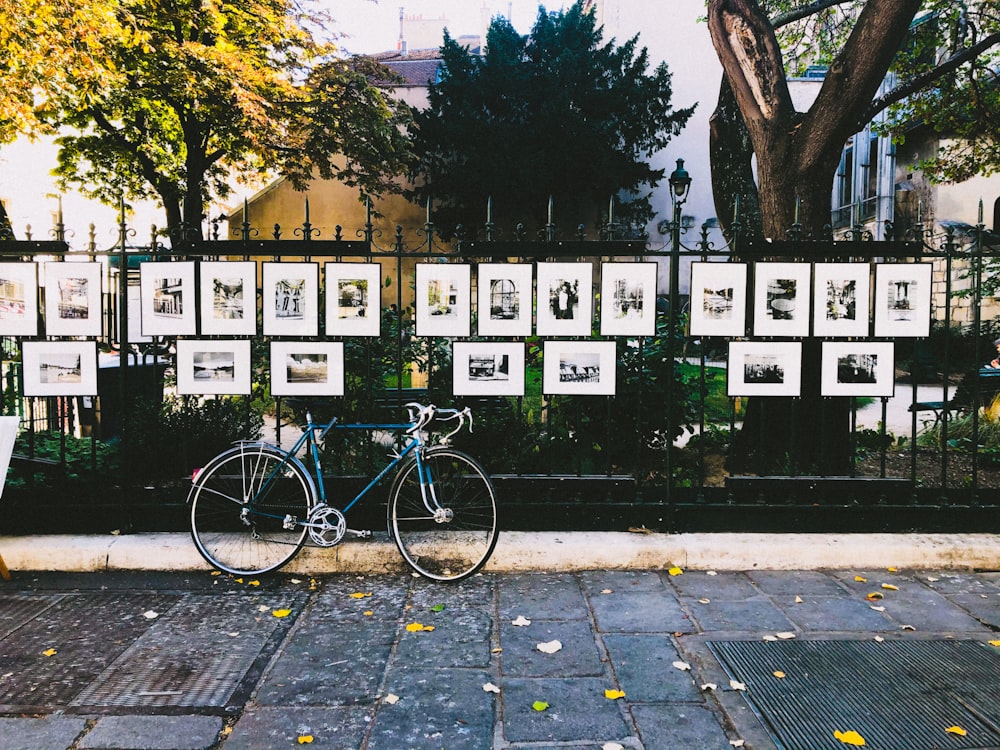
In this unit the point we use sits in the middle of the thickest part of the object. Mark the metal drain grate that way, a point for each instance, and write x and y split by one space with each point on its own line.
898 695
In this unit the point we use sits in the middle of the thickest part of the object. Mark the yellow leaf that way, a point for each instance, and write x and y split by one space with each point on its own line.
281 612
890 587
417 627
239 580
613 695
779 674
305 739
539 705
859 579
850 738
994 643
675 571
253 583
892 569
875 596
368 613
956 730
361 594
49 652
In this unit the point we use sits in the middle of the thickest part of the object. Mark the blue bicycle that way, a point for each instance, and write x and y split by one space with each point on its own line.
254 506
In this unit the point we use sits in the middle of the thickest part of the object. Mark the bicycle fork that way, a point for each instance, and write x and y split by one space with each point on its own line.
428 493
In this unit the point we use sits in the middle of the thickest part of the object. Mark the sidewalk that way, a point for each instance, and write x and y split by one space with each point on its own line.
188 660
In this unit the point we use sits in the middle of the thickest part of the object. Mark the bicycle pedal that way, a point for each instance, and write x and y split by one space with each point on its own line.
361 534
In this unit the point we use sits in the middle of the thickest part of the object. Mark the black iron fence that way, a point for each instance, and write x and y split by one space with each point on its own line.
655 422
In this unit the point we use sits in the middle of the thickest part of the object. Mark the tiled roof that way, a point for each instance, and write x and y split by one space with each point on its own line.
415 72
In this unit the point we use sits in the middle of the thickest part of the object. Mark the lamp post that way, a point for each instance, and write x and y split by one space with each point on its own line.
680 186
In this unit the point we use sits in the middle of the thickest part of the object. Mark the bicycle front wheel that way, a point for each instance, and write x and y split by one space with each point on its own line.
248 507
446 526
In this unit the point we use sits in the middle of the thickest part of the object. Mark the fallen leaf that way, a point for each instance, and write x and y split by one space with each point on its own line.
253 583
150 614
737 685
860 579
539 705
638 530
875 596
879 639
770 638
994 643
785 636
932 579
709 686
489 687
49 652
956 730
295 580
779 674
850 738
549 647
613 695
496 650
675 571
907 627
704 601
711 573
281 612
798 600
521 621
360 594
367 613
612 746
419 627
305 739
890 587
877 609
892 569
737 743
239 580
391 699
437 608
682 665
606 591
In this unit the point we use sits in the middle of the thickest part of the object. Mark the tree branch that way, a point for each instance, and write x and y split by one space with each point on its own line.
797 14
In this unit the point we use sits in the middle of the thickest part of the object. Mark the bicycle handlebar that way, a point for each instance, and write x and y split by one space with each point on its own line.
421 416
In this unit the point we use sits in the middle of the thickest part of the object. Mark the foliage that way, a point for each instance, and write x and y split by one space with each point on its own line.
81 459
966 433
558 113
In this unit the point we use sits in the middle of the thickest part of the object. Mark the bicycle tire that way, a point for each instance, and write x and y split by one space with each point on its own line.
241 540
444 549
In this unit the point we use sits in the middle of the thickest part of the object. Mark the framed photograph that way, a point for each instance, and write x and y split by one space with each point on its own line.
578 368
857 368
228 298
628 299
902 299
307 368
491 368
764 368
290 299
718 299
565 299
353 299
73 299
842 292
18 299
168 298
59 368
504 299
443 299
207 367
781 299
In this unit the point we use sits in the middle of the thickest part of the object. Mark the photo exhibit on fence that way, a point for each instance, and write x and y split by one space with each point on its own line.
841 292
504 299
307 368
565 299
628 299
718 299
902 299
764 368
858 368
443 299
781 299
579 368
290 299
59 368
167 294
353 299
73 299
207 367
488 368
18 299
133 300
228 298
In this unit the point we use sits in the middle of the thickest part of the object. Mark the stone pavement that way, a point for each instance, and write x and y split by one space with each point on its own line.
193 661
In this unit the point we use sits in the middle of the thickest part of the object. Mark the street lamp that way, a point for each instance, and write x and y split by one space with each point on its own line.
680 187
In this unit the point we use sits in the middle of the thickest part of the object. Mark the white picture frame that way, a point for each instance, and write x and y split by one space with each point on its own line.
290 298
903 300
579 368
628 299
718 299
19 299
228 298
213 367
73 299
307 368
167 295
59 368
857 368
488 368
841 294
564 299
504 299
353 299
443 299
764 368
781 299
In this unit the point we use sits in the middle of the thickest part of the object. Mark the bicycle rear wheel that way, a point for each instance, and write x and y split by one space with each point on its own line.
248 507
453 534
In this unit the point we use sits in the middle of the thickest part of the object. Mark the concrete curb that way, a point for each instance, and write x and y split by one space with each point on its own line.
541 551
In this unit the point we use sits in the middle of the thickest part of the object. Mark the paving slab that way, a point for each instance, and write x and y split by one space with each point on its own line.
578 656
577 710
153 733
644 666
640 611
341 728
542 596
47 733
679 727
696 584
759 613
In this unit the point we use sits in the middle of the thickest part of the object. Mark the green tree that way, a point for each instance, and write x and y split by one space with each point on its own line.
557 113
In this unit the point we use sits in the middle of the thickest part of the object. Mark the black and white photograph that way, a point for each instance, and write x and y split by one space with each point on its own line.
59 368
290 299
564 299
842 292
718 299
167 293
213 367
73 299
504 299
764 368
307 368
228 298
443 299
579 367
18 299
781 299
494 368
628 299
353 299
902 299
858 368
